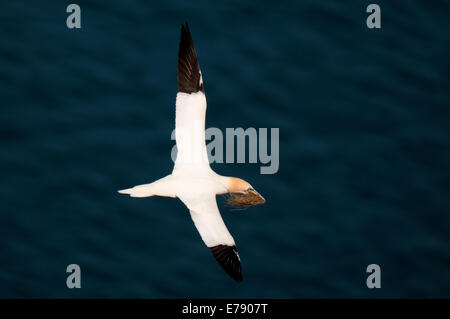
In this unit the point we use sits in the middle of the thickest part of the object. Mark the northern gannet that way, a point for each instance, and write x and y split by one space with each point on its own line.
192 179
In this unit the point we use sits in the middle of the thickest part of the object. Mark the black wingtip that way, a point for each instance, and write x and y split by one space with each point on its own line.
189 74
228 258
184 30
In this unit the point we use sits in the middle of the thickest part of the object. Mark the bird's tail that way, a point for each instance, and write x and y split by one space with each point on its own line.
145 190
161 187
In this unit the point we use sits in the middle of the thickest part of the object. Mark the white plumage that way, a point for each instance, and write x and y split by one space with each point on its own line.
192 179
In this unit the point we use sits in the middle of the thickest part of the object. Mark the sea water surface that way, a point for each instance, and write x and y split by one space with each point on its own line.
364 148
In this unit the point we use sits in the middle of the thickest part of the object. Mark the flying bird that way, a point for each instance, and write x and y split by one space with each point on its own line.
192 179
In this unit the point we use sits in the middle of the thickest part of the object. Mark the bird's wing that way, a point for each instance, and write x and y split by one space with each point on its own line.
214 233
190 107
189 74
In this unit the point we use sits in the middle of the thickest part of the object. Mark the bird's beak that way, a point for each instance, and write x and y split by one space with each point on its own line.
244 199
256 197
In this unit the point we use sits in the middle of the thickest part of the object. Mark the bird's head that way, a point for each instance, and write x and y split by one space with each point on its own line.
242 194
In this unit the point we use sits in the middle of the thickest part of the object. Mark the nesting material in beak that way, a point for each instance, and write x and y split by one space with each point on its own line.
245 199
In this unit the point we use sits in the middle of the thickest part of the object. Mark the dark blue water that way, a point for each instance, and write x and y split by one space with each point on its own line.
364 119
